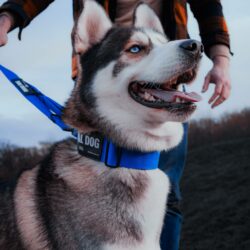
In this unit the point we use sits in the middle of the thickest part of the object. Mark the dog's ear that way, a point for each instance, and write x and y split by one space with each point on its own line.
91 27
145 17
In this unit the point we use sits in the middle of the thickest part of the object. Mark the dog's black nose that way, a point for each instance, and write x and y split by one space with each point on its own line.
192 46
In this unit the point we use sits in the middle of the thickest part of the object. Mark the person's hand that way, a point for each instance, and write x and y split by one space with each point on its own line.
6 22
218 75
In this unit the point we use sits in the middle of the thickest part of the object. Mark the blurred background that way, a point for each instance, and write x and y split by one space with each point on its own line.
216 182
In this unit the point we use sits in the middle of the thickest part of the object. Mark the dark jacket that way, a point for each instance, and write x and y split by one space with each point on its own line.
213 28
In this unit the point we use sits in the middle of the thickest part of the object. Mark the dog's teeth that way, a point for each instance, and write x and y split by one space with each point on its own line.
151 98
179 100
147 96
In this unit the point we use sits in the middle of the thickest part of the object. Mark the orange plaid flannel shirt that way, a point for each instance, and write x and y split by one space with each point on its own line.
209 14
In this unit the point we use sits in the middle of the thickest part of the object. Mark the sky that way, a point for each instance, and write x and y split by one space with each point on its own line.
43 58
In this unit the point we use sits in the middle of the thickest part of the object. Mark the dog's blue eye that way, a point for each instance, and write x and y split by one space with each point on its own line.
135 49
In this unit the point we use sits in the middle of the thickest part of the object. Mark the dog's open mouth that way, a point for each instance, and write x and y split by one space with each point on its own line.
165 95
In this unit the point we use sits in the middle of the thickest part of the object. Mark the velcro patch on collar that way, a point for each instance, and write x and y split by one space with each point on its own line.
90 145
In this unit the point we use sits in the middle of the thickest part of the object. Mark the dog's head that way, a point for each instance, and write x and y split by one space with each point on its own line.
128 81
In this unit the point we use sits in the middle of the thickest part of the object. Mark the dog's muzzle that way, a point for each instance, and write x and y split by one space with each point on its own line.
167 95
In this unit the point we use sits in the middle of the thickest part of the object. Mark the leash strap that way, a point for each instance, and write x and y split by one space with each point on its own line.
46 105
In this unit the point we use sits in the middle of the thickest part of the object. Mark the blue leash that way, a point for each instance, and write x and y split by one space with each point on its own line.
46 105
105 150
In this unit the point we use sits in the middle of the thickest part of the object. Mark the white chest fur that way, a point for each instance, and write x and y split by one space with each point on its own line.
153 208
151 211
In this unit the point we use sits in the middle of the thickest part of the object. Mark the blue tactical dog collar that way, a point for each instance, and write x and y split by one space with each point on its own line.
97 147
92 145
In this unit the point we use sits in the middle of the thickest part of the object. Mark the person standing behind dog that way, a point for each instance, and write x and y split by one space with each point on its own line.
173 15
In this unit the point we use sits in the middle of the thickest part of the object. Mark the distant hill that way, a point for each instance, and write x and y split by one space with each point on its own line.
216 196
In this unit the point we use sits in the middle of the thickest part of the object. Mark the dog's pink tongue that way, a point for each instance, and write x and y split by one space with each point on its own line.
170 96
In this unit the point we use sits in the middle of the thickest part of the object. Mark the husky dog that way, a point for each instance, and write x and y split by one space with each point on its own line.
127 90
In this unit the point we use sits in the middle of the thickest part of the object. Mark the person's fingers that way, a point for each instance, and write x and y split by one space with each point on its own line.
224 96
206 83
6 22
218 101
217 92
3 39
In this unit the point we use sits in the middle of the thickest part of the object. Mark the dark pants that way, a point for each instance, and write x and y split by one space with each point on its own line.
172 163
